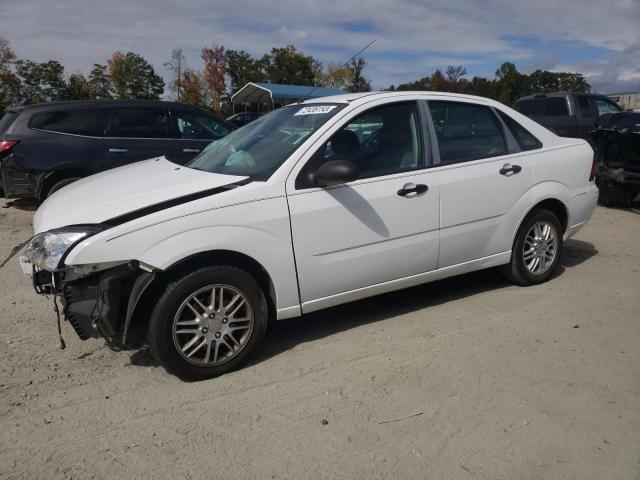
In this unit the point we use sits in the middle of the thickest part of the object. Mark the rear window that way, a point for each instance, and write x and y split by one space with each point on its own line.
525 139
557 106
138 123
7 119
539 107
77 122
524 106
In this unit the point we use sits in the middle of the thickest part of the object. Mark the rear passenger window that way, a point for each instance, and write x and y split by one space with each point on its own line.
557 106
77 122
539 107
138 123
525 139
466 132
524 106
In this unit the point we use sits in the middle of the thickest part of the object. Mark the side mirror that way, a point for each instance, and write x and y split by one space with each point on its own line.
336 172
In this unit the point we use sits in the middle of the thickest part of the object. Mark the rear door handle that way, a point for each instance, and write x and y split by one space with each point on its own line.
118 150
410 188
507 169
191 150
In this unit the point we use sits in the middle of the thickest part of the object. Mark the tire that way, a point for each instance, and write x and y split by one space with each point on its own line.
58 185
519 270
173 326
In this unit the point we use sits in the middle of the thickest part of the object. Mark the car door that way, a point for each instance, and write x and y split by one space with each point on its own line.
192 131
379 228
136 133
586 116
484 182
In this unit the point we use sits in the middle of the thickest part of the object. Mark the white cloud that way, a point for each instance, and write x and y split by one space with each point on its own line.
412 36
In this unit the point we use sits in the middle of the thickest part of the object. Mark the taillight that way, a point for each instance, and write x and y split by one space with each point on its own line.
6 145
592 175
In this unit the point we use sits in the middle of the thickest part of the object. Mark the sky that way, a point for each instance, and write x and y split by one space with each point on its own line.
599 38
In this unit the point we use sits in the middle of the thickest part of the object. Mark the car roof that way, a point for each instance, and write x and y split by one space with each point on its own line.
357 98
558 94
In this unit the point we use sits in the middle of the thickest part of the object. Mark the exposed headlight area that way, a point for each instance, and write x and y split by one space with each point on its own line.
47 249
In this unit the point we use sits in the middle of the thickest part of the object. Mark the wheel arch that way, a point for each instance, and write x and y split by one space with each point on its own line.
552 204
146 301
51 178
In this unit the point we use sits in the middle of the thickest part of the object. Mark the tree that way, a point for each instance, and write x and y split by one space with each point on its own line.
572 82
193 88
510 84
133 77
215 69
177 65
77 88
9 82
100 86
40 82
337 76
242 68
455 73
358 82
288 65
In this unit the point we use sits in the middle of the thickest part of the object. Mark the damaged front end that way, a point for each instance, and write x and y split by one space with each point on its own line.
97 300
617 150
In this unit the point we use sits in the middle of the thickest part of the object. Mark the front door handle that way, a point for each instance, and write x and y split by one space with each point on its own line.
507 169
191 150
410 188
118 150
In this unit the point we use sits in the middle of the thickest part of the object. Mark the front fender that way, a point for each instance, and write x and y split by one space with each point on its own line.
259 230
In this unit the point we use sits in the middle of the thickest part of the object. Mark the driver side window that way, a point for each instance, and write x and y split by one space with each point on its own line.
382 141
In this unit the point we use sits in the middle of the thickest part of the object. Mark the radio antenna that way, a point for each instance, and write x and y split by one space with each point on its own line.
340 68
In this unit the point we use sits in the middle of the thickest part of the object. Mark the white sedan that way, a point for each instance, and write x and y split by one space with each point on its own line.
315 204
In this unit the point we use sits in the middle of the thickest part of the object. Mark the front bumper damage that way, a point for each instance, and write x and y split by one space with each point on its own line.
97 305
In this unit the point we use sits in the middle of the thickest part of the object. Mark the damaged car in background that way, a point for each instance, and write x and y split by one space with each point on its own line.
617 145
313 205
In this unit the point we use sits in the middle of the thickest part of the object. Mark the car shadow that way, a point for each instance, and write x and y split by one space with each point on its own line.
284 335
27 204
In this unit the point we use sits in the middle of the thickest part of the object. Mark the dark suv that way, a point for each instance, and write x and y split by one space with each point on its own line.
45 147
567 114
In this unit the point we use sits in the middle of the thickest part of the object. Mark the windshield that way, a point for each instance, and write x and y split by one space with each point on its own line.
261 146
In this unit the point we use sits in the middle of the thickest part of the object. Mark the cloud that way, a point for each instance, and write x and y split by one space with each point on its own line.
413 36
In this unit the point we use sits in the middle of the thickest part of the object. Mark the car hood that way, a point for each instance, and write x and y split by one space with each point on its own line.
122 190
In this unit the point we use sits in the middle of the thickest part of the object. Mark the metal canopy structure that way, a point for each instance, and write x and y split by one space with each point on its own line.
272 93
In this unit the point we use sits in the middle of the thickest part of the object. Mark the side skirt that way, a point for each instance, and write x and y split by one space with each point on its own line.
377 289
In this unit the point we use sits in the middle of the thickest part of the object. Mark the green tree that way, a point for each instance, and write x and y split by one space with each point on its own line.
510 84
133 77
288 65
40 82
100 86
572 82
9 81
77 88
358 82
242 68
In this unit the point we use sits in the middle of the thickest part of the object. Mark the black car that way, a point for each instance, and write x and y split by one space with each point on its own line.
567 114
617 145
241 119
45 147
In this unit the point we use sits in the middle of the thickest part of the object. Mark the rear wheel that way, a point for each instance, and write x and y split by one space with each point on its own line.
208 322
536 250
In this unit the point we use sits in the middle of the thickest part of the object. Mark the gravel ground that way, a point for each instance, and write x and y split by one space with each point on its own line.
470 377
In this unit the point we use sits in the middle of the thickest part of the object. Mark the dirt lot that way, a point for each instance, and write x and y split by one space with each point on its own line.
466 378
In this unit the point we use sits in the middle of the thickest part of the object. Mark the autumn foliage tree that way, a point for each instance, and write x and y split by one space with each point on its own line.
213 74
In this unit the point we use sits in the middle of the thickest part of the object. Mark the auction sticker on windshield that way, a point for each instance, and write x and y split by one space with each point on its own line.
318 109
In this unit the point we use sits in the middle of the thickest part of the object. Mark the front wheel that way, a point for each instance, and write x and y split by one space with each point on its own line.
536 250
208 322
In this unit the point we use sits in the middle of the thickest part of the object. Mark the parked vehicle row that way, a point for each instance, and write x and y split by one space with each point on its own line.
312 205
567 114
45 147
